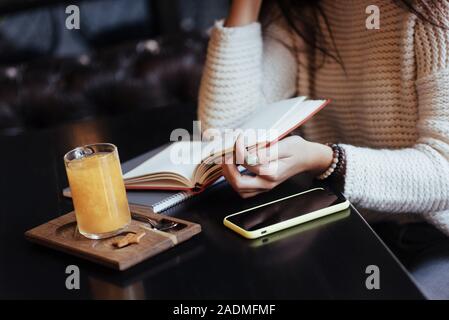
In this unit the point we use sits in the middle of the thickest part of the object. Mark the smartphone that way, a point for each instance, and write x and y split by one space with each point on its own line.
295 230
284 213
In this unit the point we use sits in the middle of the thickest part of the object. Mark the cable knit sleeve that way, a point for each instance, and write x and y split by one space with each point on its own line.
243 72
413 180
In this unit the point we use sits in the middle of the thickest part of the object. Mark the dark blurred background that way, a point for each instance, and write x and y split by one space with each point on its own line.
128 55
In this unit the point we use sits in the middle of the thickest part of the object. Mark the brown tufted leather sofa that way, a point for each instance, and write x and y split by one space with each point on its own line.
114 80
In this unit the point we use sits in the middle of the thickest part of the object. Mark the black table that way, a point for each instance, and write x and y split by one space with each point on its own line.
325 259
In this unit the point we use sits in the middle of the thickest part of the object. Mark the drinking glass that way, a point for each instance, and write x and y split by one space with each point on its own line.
98 190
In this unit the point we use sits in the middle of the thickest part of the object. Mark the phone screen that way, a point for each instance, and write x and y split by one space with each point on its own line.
285 209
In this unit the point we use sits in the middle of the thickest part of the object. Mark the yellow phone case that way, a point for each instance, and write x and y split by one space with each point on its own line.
284 224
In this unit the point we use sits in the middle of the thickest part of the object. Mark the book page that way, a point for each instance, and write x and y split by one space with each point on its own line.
271 115
177 158
300 113
264 125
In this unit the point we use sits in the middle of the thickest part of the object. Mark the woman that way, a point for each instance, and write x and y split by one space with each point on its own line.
389 86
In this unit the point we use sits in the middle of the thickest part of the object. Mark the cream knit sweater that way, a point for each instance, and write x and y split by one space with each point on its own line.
390 110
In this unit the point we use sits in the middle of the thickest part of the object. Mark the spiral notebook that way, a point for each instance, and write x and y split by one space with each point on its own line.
158 200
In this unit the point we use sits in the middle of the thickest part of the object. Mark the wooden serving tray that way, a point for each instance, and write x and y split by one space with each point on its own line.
61 234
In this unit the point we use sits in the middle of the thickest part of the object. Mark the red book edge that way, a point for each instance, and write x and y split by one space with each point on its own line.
201 189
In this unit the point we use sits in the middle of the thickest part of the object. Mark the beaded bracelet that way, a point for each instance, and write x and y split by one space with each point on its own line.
336 175
339 173
334 163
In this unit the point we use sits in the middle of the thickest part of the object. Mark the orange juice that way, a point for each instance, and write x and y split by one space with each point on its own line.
98 190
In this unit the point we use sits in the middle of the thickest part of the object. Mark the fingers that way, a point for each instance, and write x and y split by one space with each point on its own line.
266 170
265 154
246 185
240 150
267 159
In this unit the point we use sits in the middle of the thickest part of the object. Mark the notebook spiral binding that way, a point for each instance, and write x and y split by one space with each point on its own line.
172 201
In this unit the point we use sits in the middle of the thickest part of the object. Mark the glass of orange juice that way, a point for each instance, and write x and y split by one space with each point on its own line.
98 190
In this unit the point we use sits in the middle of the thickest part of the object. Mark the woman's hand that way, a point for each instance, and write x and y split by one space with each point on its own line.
276 163
243 12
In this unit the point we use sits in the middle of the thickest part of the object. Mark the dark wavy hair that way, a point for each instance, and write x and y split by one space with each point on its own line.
303 16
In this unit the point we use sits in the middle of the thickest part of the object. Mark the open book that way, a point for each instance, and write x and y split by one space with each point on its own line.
193 165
